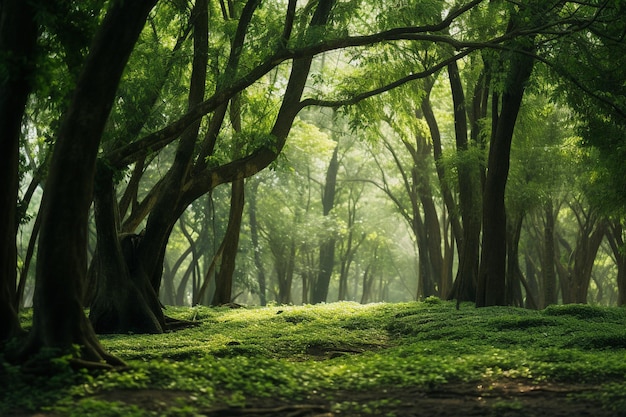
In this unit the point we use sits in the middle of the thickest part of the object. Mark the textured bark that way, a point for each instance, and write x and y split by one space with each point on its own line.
18 36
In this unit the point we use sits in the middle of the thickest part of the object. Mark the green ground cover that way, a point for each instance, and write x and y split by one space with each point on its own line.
316 354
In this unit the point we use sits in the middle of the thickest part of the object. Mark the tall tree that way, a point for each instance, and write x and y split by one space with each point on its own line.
490 288
59 321
18 37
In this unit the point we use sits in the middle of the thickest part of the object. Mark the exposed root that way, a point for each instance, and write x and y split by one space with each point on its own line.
286 410
177 324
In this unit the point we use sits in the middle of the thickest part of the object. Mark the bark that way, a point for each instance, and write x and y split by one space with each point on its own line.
327 247
18 37
59 321
224 277
491 284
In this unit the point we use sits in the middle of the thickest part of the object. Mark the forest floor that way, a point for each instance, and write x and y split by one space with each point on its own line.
502 399
344 359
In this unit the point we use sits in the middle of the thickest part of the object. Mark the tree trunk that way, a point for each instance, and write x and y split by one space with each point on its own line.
224 277
491 287
59 321
18 37
549 295
615 236
584 256
514 275
327 247
120 304
284 273
179 189
464 288
254 238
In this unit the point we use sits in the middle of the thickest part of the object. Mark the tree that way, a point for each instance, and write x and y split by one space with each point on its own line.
327 246
490 288
59 321
18 36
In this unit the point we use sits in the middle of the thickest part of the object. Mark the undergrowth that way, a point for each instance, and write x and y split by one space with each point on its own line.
296 353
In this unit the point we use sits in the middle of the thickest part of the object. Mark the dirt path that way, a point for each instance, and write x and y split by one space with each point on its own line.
502 399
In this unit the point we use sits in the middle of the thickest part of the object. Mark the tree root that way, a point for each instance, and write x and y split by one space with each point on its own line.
303 410
172 324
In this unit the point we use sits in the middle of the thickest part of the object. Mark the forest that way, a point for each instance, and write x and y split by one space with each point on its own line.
235 153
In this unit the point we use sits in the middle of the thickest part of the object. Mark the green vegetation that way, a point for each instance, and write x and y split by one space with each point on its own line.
316 354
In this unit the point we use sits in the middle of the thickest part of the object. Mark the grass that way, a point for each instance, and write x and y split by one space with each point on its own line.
294 353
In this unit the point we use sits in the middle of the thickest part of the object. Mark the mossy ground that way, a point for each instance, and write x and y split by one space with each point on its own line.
409 359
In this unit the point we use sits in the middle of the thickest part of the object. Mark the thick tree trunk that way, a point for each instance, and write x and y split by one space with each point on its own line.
18 37
327 247
59 321
224 277
124 301
491 288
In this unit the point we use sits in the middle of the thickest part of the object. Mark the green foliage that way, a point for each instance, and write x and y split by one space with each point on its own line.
287 352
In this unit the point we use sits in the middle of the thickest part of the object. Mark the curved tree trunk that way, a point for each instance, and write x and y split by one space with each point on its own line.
59 322
224 277
18 37
180 190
